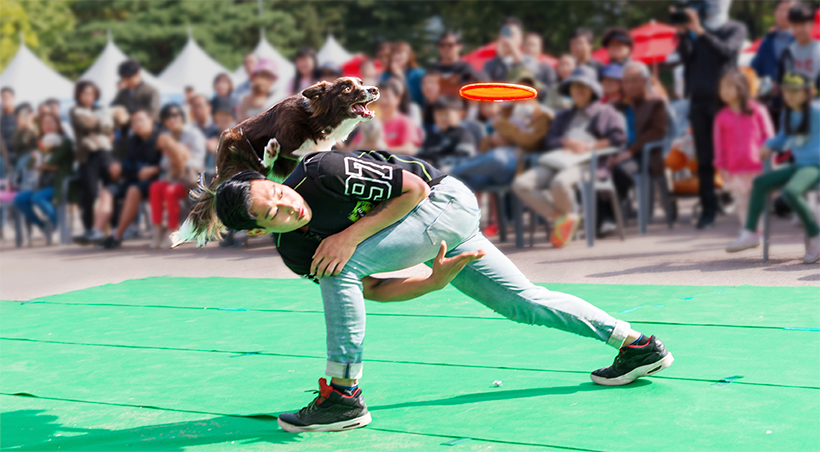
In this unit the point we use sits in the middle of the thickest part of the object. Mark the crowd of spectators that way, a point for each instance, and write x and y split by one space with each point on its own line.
135 152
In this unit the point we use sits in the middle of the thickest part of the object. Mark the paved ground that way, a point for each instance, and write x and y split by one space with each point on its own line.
681 255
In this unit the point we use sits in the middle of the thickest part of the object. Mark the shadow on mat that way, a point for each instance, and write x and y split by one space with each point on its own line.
491 396
33 430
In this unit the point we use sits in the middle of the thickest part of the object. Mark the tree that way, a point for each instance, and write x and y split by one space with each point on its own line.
44 25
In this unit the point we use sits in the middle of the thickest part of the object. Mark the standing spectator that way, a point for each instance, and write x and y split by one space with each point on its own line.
549 189
262 95
555 100
800 132
404 66
183 158
647 120
707 50
742 126
767 58
140 168
430 89
134 95
545 74
329 72
454 72
249 63
24 138
450 141
618 44
400 134
8 125
611 82
223 93
306 66
93 128
509 53
803 55
203 120
580 46
53 163
54 106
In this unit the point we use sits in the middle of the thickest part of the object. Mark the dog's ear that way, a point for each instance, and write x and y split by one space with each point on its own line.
312 92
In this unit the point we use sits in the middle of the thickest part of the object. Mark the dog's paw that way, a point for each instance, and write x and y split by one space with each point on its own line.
271 152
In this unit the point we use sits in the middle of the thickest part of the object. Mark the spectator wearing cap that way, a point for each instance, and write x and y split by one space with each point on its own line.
134 95
328 72
555 100
767 58
403 65
803 55
263 94
509 52
202 118
549 188
8 125
618 44
454 72
450 141
707 49
611 82
306 66
223 93
249 63
580 46
545 74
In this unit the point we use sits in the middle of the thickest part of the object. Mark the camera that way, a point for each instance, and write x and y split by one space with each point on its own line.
678 14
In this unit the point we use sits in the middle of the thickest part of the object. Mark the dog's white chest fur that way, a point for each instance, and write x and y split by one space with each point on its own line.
325 144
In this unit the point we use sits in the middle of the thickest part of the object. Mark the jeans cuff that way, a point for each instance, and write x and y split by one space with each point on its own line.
619 334
352 371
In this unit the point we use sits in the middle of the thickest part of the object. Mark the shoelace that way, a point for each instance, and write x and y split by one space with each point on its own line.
313 405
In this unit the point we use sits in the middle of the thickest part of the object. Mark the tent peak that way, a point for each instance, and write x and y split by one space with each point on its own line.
108 35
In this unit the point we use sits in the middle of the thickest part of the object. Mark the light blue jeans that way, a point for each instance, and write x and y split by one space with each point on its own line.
495 167
451 214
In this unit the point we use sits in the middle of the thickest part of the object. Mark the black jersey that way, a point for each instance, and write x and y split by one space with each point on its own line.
341 188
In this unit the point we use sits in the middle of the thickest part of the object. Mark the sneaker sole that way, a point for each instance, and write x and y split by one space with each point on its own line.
349 424
737 250
636 373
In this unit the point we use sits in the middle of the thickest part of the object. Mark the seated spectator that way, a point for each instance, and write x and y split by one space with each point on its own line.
224 117
518 129
401 135
509 52
93 128
263 93
24 138
451 141
223 93
306 65
134 94
404 66
328 72
555 100
803 55
140 168
202 119
800 133
618 44
545 74
549 187
52 164
485 113
249 63
454 72
580 46
183 159
611 77
430 89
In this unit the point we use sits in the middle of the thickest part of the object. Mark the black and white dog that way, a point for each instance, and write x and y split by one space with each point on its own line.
274 141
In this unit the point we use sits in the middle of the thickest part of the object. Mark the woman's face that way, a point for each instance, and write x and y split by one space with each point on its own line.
278 208
222 87
581 94
88 96
795 98
400 57
48 125
305 66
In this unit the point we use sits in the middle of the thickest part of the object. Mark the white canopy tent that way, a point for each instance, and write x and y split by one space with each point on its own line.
104 73
32 80
192 67
265 50
333 52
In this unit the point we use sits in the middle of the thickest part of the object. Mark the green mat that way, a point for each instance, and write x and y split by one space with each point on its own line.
206 364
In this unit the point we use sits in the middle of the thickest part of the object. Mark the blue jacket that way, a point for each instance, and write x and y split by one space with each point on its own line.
765 62
806 150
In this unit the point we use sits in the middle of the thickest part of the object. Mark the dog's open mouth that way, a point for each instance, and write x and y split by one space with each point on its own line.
360 109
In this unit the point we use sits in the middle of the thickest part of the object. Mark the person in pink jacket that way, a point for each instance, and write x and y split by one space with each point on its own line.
741 127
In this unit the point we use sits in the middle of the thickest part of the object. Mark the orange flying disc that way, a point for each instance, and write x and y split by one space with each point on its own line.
497 92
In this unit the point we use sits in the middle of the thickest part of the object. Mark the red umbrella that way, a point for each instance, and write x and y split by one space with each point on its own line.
654 41
351 67
815 31
753 46
478 57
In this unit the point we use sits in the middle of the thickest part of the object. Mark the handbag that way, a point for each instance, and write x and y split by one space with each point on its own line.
561 159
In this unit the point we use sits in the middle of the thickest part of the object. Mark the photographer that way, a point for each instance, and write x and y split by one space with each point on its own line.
709 45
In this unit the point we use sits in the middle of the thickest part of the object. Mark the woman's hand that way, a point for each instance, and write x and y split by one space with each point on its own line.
446 268
765 152
332 255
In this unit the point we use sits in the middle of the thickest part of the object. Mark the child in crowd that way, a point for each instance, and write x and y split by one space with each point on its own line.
430 90
555 100
612 83
401 134
741 127
800 132
450 141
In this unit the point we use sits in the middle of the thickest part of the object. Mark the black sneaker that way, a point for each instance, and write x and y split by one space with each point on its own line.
634 361
330 411
110 242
